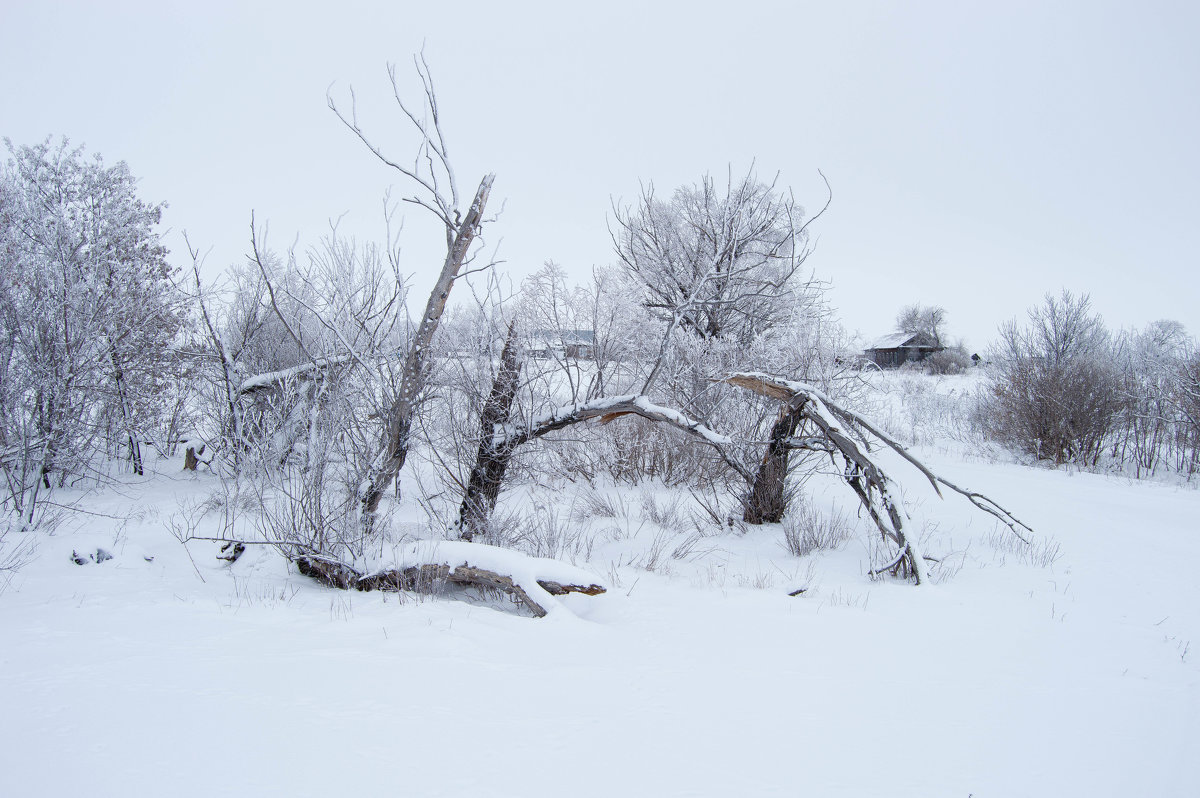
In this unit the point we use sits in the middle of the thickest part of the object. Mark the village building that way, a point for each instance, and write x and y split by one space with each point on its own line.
898 348
568 344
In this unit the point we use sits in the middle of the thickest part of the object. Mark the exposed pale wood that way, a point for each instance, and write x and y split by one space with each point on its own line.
466 575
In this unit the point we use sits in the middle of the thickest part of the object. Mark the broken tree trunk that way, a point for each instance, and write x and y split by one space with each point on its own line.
838 428
393 446
767 500
491 461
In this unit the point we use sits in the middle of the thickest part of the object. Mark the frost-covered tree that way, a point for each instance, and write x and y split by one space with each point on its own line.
927 319
346 413
721 270
1056 393
1158 392
89 314
715 264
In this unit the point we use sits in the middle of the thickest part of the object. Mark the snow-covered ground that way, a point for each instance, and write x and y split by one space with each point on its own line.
1065 669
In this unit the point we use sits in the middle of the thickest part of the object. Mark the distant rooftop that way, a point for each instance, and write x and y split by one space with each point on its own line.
893 340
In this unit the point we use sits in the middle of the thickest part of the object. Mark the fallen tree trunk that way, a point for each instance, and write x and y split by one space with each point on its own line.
606 409
528 589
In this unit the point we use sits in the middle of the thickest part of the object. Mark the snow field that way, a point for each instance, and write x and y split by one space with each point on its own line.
1014 674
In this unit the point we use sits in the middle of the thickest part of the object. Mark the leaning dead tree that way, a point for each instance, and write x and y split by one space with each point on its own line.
845 435
394 441
437 192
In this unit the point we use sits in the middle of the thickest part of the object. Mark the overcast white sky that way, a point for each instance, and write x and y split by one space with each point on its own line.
980 154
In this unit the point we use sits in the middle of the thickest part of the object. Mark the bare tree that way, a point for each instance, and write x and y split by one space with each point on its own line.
917 318
1159 418
1185 392
715 264
433 175
491 460
1056 393
321 372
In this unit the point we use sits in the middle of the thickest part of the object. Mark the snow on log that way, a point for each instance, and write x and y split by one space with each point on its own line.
272 379
424 565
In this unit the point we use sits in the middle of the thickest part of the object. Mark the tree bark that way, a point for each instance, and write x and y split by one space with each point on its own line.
491 461
767 501
490 466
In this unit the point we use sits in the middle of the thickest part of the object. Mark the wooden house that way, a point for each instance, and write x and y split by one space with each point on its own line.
896 349
568 344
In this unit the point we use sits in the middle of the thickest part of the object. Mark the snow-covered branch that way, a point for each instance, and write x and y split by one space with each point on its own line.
606 409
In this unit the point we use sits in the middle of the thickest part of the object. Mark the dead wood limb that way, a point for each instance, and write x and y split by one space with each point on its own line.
990 507
328 571
559 589
274 380
767 500
466 575
500 437
429 577
607 409
232 551
891 566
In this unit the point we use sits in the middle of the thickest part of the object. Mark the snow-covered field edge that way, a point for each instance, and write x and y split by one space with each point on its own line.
137 665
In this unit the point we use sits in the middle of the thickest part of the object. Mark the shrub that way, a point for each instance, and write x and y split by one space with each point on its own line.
1056 393
808 529
952 360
